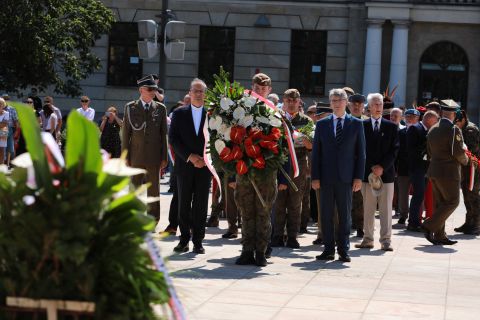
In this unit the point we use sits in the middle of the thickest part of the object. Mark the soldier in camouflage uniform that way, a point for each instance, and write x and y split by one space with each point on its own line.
288 206
471 136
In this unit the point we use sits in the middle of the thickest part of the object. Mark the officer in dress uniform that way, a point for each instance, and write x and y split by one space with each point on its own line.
445 147
145 138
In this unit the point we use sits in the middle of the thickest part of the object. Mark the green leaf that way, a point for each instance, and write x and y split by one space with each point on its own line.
83 145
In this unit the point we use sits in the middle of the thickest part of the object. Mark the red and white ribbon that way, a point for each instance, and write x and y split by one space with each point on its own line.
288 134
207 157
472 177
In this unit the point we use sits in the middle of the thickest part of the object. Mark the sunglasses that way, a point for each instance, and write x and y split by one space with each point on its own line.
29 102
84 101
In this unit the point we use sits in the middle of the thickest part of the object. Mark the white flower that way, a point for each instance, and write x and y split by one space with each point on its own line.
246 121
214 123
264 120
250 102
225 103
219 145
226 133
275 122
28 200
238 113
118 167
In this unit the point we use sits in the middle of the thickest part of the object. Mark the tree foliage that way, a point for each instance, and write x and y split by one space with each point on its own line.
48 42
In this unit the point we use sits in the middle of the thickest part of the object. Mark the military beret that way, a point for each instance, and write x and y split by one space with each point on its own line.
413 112
291 93
357 98
348 90
147 81
262 79
449 105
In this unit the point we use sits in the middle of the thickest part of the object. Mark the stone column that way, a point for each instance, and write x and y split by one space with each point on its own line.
373 57
398 66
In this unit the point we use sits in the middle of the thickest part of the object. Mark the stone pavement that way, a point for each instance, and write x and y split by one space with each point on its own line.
415 281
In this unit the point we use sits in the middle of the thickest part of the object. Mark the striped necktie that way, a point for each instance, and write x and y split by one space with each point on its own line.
339 131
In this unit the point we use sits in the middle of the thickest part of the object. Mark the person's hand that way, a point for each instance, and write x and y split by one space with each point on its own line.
307 143
315 184
357 185
104 118
163 164
282 187
232 185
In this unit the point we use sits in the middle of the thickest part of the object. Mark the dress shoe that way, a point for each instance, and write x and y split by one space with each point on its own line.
260 259
462 228
401 221
387 247
198 249
245 258
277 242
181 247
293 243
429 235
360 233
446 242
318 241
344 257
303 230
213 222
414 228
230 235
325 256
268 252
472 231
364 245
170 230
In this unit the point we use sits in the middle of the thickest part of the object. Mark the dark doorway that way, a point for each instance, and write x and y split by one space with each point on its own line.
443 73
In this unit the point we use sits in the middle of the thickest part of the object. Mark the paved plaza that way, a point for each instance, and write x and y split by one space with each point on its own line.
415 281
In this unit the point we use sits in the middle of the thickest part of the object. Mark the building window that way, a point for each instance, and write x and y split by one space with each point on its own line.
217 48
124 65
307 61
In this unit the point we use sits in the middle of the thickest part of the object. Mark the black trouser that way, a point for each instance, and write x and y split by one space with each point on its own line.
173 212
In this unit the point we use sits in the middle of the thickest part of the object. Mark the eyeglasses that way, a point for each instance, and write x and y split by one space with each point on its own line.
197 91
84 101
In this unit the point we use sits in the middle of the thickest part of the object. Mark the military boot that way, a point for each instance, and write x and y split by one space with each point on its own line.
246 258
473 228
464 226
213 221
260 259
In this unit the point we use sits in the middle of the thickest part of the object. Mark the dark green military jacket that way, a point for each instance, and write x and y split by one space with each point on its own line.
144 133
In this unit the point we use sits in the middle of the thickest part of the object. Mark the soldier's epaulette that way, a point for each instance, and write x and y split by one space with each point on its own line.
131 103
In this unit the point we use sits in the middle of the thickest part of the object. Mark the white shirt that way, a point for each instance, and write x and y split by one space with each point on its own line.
89 113
48 124
5 117
424 127
373 123
335 121
57 112
197 117
144 103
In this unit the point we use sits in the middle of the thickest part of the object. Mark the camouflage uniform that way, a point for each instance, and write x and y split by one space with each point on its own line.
471 136
288 206
256 226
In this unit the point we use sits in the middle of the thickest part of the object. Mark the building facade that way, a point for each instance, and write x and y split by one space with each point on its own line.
428 48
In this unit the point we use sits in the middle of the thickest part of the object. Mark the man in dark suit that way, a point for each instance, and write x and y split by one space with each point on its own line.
418 165
193 177
381 138
338 164
144 136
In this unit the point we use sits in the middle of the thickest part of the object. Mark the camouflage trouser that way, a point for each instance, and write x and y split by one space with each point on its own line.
256 226
357 210
306 212
471 198
288 206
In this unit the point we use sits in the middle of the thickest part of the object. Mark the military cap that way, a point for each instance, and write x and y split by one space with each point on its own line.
323 107
291 93
155 77
348 90
413 112
357 98
147 81
262 79
449 105
312 109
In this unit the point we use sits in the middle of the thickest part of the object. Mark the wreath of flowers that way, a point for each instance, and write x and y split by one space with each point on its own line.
246 136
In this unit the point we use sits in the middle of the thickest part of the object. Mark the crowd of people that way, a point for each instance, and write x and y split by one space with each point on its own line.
366 156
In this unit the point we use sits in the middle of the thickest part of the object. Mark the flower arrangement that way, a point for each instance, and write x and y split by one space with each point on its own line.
307 131
247 136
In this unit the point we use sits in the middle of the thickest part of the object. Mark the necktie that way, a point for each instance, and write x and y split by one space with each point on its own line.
147 106
375 129
339 131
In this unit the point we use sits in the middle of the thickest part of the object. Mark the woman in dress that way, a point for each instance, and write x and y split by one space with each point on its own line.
4 117
110 128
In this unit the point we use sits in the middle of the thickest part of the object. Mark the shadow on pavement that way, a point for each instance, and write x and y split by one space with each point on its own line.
366 252
314 265
461 236
435 249
227 271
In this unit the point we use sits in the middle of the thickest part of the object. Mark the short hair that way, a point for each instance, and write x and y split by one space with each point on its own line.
374 96
84 98
430 114
349 91
262 79
396 110
200 81
2 102
112 108
291 93
337 93
48 98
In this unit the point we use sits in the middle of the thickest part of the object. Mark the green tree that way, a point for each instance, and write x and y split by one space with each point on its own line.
48 42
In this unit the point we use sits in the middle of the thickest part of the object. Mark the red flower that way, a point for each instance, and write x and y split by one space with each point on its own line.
237 134
270 145
237 153
255 134
252 150
226 155
241 167
275 133
259 162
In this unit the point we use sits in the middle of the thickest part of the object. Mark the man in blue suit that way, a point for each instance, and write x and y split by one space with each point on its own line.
338 165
